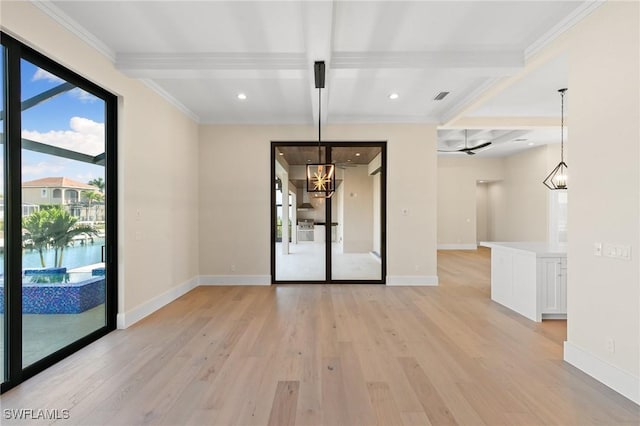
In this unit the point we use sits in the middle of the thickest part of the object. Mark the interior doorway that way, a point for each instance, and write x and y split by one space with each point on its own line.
340 239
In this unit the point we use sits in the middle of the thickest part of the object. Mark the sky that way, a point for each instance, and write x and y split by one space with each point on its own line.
73 120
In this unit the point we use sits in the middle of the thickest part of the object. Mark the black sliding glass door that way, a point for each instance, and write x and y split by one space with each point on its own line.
58 258
3 294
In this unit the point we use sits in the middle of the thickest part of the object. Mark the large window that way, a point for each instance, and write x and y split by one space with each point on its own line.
58 258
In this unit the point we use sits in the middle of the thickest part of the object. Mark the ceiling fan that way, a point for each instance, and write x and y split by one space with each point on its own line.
469 150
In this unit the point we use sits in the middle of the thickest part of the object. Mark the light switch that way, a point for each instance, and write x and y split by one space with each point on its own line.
617 251
625 252
597 249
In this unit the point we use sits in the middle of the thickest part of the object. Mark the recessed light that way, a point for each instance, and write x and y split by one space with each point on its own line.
308 161
481 181
282 153
242 96
357 154
394 96
530 144
348 161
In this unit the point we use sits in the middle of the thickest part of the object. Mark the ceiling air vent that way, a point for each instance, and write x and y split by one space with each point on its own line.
440 96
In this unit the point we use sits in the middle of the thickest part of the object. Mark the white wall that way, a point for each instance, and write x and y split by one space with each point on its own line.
157 168
497 212
517 203
234 225
457 177
518 206
604 195
358 210
482 212
526 197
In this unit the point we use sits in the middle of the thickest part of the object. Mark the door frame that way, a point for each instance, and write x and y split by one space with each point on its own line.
328 213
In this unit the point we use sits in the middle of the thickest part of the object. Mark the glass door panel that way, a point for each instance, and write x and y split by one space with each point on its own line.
300 256
356 214
63 213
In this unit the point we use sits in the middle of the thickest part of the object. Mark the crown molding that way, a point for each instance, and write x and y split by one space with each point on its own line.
55 13
79 31
169 98
564 25
474 94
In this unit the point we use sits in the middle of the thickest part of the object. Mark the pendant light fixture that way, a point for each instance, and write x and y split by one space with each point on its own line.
321 176
557 179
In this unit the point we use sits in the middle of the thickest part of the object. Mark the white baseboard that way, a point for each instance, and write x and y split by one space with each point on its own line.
234 280
126 319
457 247
412 280
619 380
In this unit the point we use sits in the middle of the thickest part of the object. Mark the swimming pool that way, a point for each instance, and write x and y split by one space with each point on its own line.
69 293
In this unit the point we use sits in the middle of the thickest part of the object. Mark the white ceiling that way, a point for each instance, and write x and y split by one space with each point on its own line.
201 54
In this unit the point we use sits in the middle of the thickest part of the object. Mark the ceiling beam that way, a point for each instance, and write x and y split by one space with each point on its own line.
509 136
507 62
503 123
185 65
494 87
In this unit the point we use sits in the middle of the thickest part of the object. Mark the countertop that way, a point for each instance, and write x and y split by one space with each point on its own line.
541 249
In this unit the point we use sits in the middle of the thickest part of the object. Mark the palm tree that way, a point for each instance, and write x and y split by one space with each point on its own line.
63 229
37 229
99 182
92 196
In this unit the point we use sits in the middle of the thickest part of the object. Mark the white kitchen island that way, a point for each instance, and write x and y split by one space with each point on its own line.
529 278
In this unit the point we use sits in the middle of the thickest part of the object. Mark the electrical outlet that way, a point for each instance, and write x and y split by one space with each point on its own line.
611 345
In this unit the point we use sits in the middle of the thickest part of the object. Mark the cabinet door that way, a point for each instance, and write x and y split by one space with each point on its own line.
553 286
563 286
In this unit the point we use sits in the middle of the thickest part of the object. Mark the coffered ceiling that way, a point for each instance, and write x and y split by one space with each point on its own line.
202 54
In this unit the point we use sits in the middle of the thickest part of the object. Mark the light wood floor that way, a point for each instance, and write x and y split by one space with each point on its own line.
332 355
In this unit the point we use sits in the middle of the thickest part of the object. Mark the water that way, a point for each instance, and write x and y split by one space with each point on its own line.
74 256
75 277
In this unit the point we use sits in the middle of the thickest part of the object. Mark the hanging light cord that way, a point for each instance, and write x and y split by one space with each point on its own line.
319 122
562 124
